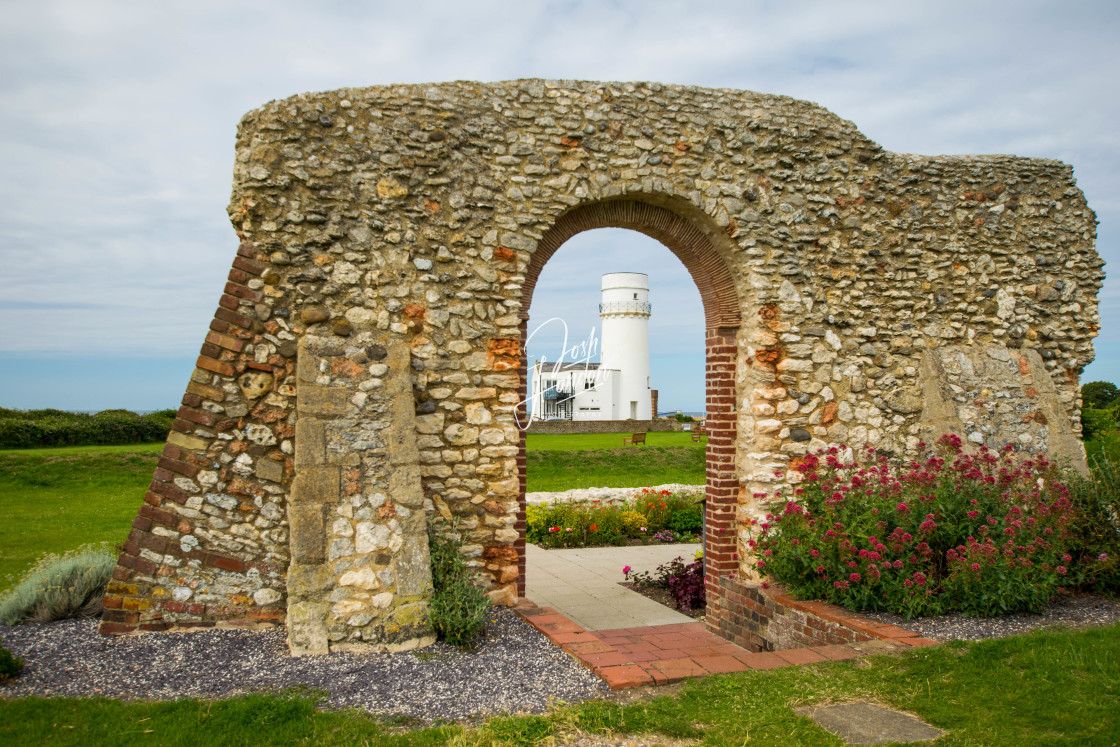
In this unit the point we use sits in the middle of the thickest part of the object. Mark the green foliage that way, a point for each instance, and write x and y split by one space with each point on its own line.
1097 501
682 418
596 523
983 534
28 429
1100 394
60 587
10 666
574 524
1097 423
633 523
458 607
688 521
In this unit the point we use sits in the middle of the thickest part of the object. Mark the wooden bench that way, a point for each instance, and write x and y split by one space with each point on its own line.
699 433
634 438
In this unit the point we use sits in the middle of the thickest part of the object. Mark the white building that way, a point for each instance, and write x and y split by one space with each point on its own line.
617 388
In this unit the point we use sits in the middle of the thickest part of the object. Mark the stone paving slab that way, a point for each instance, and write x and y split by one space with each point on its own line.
585 584
868 724
663 654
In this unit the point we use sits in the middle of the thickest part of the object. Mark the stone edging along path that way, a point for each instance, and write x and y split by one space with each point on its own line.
663 654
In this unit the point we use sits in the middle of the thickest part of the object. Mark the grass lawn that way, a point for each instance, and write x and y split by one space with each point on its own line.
599 460
1047 688
608 441
54 500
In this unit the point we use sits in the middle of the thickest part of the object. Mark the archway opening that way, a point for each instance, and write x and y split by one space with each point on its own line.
698 246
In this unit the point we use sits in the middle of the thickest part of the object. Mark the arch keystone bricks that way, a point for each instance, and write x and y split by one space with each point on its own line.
365 372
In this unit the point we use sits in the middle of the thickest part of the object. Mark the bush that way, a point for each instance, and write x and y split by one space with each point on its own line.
1097 501
1096 423
689 521
634 524
982 534
60 587
458 608
684 582
27 429
682 418
10 666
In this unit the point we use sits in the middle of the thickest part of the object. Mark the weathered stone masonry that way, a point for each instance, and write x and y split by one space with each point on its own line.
365 370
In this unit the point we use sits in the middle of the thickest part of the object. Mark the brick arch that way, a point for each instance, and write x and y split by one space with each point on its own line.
692 246
697 250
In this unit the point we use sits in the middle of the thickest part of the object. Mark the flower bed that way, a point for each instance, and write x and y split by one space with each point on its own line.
647 517
675 584
981 533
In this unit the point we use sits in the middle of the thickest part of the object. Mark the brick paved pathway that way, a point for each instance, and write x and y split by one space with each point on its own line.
661 654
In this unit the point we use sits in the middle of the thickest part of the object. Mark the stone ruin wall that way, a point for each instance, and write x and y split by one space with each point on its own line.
364 369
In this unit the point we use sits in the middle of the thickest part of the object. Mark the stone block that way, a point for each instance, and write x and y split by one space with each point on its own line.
316 485
405 486
413 566
308 579
270 470
307 629
307 533
323 401
400 436
311 443
186 441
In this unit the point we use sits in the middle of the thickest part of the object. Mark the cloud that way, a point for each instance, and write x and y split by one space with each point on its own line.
117 119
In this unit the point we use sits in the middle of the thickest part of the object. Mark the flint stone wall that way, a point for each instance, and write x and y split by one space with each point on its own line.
852 296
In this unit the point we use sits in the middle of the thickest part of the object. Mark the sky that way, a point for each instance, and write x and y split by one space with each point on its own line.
117 125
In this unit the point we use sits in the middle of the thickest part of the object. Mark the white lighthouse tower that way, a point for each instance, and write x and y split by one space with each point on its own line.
625 311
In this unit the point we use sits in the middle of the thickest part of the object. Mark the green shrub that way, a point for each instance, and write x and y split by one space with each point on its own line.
981 533
1096 423
458 608
10 666
60 587
682 418
634 524
1097 500
27 429
687 522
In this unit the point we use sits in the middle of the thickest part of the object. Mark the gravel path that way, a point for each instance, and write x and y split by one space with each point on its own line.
516 669
605 494
1070 612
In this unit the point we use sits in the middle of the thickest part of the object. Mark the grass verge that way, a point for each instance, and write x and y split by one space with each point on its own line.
1046 688
54 500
